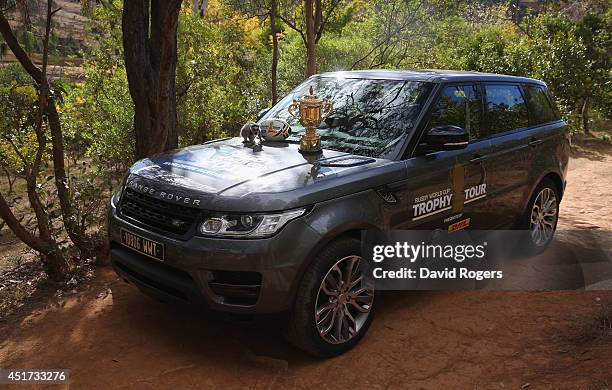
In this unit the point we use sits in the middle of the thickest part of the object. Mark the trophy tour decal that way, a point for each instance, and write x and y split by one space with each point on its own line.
454 197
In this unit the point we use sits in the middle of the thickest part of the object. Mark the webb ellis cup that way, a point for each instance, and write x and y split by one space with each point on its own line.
311 111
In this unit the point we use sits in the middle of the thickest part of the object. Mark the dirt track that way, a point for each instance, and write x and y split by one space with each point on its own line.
110 335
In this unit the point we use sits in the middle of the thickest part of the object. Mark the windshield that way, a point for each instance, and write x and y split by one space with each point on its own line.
369 117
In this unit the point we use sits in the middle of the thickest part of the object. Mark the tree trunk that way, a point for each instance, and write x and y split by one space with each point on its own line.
274 70
77 236
198 7
10 178
48 105
311 64
150 49
55 264
585 115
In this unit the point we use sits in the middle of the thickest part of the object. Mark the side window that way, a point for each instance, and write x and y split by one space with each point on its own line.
506 109
540 109
458 105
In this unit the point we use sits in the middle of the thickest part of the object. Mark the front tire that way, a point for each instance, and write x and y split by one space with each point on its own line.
334 305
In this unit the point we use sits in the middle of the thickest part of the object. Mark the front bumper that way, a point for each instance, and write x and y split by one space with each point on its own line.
248 276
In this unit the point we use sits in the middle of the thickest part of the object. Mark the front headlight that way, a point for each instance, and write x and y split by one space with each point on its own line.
247 225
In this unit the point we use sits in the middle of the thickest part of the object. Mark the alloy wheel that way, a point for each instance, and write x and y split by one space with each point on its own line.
344 300
544 215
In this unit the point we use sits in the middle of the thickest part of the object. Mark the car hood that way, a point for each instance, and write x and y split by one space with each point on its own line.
225 175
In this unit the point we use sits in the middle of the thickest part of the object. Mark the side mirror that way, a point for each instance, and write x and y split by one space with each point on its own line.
447 137
261 113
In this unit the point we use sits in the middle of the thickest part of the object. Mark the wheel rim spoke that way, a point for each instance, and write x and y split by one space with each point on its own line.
324 331
330 293
543 217
351 323
325 309
344 301
548 225
349 270
550 213
339 324
356 282
362 309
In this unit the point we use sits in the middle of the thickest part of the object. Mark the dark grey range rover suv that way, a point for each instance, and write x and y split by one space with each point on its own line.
261 231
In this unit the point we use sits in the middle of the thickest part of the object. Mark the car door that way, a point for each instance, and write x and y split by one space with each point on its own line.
547 133
508 158
446 189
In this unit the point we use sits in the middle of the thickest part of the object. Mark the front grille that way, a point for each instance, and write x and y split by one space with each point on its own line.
157 214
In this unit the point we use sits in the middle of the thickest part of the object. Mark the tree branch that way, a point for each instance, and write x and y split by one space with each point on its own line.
20 54
293 26
17 228
322 23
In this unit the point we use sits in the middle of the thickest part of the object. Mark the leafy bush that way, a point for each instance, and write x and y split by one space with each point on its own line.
221 74
19 105
97 117
13 74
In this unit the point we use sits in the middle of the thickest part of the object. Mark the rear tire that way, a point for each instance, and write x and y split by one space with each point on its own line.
334 306
539 222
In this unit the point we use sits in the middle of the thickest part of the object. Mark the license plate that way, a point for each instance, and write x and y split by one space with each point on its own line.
142 245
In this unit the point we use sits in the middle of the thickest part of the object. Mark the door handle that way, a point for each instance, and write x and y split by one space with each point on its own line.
477 159
535 142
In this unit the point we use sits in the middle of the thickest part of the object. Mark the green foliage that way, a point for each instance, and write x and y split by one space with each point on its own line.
28 41
221 80
97 113
224 59
19 105
13 74
595 30
291 63
97 119
571 55
221 73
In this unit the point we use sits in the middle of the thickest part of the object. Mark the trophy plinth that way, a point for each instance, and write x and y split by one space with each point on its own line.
310 142
311 111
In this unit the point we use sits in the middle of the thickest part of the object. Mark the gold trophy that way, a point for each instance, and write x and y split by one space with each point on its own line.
311 111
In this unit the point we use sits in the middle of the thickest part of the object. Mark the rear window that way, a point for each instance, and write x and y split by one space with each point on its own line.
506 108
540 107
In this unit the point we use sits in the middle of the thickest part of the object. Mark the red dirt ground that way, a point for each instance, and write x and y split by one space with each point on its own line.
111 336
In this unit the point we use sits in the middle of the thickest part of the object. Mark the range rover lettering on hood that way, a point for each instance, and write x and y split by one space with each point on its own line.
144 188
